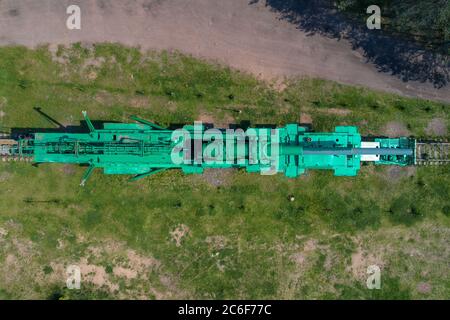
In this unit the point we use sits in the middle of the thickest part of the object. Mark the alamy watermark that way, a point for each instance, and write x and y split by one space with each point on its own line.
374 21
232 147
374 279
73 280
73 22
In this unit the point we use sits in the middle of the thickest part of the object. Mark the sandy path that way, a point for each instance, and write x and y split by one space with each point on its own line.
244 36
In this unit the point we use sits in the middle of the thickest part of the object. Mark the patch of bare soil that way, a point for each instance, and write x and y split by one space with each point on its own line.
437 127
338 111
90 273
53 49
396 173
217 242
279 84
424 288
68 169
179 233
142 263
96 275
361 260
310 245
209 119
298 258
305 118
92 75
96 62
206 118
304 256
124 272
18 256
139 102
90 67
394 129
128 267
3 233
217 177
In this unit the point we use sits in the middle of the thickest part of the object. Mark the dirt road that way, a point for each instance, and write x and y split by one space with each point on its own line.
244 34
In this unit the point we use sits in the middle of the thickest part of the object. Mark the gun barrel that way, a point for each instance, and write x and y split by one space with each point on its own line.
359 151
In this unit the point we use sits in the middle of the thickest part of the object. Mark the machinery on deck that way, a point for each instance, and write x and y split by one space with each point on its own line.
143 148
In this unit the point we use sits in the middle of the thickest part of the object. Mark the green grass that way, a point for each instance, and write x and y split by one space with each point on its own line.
245 239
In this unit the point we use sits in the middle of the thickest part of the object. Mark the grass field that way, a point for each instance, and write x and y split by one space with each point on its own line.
225 234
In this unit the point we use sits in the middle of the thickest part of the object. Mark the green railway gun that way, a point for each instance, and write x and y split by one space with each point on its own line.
143 148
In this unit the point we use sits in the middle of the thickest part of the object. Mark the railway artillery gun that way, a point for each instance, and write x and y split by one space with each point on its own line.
144 148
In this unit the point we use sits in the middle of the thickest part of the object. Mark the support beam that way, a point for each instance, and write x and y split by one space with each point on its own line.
88 122
151 124
87 174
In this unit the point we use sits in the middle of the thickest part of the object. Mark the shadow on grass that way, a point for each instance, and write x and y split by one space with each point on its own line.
99 124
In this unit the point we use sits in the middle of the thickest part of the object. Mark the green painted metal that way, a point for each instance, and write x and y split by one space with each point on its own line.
142 149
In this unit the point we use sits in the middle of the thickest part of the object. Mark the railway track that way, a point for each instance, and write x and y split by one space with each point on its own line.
432 153
6 144
426 153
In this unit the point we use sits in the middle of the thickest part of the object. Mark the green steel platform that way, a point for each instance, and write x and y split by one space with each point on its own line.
143 148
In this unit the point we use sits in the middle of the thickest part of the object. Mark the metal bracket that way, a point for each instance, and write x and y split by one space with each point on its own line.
88 122
151 124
